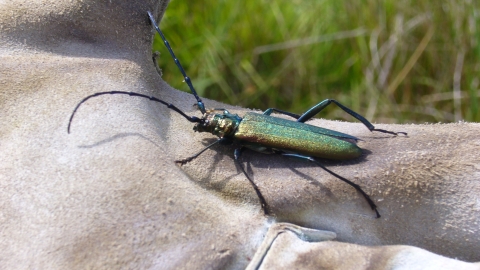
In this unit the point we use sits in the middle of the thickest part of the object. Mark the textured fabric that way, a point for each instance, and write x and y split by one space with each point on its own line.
109 194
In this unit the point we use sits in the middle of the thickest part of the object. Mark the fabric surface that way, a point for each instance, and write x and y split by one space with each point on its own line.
109 194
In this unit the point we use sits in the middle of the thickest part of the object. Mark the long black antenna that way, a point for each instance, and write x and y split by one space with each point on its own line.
193 119
200 104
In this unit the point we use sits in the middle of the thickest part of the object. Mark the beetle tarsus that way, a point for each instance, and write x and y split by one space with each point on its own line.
184 161
389 132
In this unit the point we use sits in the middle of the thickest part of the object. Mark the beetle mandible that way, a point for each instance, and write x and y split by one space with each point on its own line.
264 133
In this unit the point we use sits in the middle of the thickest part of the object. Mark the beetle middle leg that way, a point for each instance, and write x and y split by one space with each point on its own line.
186 160
357 187
263 203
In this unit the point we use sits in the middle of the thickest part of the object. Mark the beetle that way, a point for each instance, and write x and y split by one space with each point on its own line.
265 133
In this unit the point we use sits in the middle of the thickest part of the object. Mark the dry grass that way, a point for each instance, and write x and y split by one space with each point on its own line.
391 61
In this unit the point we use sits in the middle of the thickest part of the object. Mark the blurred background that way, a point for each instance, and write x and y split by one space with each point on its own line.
391 61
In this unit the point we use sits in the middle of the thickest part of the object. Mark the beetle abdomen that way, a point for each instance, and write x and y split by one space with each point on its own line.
295 137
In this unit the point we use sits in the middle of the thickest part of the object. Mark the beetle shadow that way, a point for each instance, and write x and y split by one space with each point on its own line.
116 137
258 160
251 159
263 160
315 182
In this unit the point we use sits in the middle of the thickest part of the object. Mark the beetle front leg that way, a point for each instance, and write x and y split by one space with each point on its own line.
320 106
357 187
186 160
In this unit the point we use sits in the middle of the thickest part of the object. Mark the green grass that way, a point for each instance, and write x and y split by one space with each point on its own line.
391 61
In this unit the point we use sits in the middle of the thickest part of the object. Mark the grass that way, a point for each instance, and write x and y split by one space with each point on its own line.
391 61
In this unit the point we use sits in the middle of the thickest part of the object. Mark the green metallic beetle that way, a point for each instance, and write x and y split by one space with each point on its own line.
266 134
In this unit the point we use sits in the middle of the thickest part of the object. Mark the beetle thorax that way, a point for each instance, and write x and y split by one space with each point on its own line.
222 125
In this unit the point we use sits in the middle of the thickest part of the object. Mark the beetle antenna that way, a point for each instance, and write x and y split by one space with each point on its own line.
193 119
201 106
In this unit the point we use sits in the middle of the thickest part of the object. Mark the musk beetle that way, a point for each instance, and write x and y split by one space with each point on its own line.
264 133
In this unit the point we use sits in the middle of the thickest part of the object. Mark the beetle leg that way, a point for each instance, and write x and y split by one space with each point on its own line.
357 187
270 110
320 106
186 160
236 155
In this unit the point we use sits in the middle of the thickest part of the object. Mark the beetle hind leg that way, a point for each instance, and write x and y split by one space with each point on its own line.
322 105
357 187
270 110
